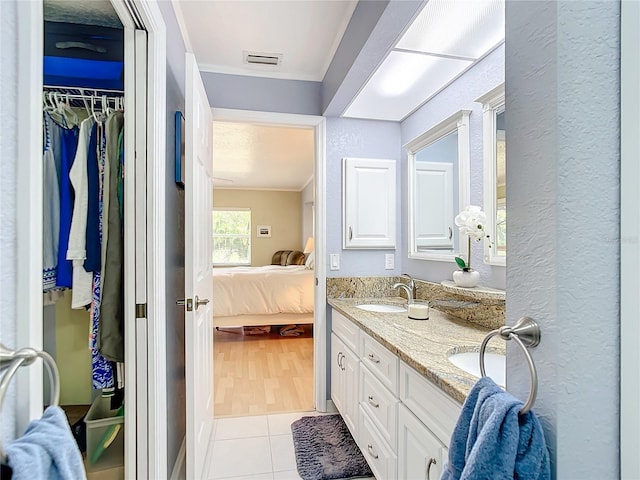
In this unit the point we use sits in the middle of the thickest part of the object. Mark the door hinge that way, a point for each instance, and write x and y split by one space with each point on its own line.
141 310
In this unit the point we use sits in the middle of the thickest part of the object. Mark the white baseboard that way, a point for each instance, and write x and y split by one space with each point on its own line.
179 471
331 407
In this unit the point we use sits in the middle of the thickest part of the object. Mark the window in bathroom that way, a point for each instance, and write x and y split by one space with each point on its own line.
231 237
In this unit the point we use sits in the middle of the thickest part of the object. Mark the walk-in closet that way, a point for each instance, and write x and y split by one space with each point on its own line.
83 197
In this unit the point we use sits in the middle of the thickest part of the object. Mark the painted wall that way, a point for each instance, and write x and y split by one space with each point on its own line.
362 139
282 210
461 94
72 355
262 94
8 217
307 202
174 244
562 94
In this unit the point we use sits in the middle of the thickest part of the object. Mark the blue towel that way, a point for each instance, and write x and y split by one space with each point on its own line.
491 441
47 450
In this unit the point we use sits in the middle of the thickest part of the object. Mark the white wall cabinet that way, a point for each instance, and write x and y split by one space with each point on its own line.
368 203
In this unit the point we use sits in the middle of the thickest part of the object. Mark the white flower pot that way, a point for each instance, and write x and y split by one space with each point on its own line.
466 279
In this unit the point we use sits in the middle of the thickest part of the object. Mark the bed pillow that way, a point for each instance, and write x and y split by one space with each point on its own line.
310 262
296 257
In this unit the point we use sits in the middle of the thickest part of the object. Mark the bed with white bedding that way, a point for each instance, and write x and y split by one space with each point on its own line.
268 295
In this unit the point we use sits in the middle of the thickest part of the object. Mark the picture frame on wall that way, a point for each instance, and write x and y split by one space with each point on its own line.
263 230
179 149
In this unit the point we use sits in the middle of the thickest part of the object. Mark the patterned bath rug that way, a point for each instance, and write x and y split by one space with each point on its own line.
326 450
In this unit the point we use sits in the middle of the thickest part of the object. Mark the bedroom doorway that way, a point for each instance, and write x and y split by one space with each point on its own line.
268 337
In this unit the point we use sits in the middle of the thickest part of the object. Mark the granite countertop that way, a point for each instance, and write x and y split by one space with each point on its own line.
423 344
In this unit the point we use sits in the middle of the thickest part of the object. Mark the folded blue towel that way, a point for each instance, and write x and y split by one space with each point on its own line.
492 441
47 450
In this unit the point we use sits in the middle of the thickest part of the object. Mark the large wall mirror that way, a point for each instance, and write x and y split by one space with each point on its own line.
438 164
494 168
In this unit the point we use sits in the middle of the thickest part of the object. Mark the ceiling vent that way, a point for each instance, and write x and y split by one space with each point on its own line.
261 58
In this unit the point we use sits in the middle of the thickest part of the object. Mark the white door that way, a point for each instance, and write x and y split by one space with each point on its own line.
198 270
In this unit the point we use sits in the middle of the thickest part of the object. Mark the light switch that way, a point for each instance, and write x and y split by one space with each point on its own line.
334 261
389 261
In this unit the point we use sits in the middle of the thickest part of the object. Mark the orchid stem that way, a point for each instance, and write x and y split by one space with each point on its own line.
468 251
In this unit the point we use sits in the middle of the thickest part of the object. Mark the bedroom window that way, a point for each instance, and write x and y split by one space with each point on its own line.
231 237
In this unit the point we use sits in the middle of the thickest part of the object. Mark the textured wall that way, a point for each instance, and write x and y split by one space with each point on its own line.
562 64
360 139
461 94
281 210
8 153
174 243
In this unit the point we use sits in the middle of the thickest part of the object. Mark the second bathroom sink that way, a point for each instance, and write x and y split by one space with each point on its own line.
494 364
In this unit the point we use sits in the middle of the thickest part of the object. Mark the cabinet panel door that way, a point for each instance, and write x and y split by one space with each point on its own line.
337 376
351 391
369 203
434 186
420 454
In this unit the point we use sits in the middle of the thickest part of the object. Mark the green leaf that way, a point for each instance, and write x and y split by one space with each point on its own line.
461 263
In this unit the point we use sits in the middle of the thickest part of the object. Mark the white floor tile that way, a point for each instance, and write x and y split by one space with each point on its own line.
280 423
240 458
290 475
283 455
241 427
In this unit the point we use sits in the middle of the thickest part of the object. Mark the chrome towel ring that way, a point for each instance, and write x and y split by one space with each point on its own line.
526 333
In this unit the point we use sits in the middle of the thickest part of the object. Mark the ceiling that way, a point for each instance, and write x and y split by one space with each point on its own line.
262 156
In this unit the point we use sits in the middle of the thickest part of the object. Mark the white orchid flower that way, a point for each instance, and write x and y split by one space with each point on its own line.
471 222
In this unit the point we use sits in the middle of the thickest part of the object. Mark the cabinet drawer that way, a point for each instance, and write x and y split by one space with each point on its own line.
381 362
427 402
346 330
380 404
381 459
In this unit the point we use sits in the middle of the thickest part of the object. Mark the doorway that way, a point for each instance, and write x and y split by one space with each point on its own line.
316 230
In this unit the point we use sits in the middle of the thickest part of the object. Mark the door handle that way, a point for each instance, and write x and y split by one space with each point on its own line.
372 402
450 233
432 461
350 233
199 302
371 452
373 358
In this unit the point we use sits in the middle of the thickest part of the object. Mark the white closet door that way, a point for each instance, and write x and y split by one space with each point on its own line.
198 269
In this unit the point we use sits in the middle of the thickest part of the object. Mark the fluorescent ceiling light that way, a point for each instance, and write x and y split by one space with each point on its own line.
460 28
430 74
445 39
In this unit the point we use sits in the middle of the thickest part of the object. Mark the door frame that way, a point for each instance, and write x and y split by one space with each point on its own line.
29 319
630 243
318 123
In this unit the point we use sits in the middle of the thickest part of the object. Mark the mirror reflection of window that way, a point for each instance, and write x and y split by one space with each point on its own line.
501 186
494 172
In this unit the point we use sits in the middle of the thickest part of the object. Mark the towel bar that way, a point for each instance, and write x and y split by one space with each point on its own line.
526 333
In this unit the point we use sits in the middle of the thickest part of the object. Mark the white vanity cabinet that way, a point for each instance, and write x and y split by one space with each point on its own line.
368 203
400 420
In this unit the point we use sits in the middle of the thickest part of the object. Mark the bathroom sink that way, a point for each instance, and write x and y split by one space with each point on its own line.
381 307
494 364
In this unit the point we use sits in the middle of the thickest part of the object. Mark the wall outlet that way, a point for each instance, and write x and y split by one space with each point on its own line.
334 261
389 261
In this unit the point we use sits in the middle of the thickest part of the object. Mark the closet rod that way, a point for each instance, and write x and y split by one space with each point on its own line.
98 92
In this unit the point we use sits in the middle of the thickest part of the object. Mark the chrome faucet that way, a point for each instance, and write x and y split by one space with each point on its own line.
410 288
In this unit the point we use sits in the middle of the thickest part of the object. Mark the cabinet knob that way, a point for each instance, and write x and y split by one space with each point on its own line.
371 452
373 358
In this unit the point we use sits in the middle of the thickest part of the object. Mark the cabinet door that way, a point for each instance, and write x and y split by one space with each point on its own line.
433 186
420 453
337 375
369 203
344 383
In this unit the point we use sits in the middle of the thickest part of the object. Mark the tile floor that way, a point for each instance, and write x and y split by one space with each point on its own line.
254 448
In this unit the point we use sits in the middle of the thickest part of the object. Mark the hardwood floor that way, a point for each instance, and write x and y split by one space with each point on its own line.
261 374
